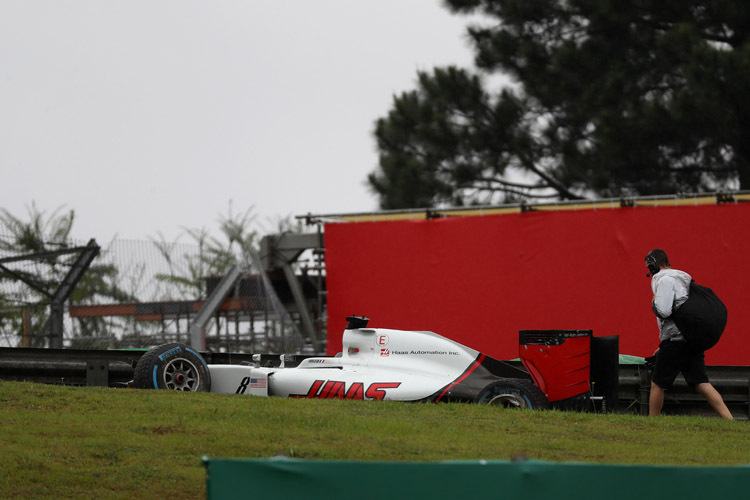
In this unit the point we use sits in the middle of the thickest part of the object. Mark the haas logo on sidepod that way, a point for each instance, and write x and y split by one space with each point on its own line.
320 389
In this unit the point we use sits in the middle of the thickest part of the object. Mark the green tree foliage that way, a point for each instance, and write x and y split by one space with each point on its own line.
604 98
237 239
236 242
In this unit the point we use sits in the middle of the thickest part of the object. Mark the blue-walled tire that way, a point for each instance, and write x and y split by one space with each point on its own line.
513 393
174 367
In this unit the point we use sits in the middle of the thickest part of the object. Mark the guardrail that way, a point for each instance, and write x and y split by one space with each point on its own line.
106 368
114 368
68 366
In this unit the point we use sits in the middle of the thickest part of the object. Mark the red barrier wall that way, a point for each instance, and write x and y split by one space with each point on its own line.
478 280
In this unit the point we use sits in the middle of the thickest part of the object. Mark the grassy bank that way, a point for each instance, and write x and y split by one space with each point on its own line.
68 442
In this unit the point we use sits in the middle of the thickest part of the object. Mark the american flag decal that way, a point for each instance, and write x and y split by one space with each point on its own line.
257 383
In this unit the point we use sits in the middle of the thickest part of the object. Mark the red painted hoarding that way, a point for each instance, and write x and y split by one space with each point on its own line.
481 279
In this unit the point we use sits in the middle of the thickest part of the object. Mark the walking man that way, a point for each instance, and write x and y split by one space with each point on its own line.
671 288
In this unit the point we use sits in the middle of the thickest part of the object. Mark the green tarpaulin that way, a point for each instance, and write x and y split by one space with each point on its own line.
292 478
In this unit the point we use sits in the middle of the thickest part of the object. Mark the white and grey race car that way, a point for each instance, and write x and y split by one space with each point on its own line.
375 364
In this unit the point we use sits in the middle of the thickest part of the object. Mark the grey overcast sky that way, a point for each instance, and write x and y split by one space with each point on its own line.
146 117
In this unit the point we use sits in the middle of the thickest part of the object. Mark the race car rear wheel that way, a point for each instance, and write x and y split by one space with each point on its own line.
174 367
513 393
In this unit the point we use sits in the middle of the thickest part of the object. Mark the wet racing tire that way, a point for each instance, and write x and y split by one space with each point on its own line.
513 393
174 367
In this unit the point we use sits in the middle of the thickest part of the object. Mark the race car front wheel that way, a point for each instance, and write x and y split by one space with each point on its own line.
513 393
174 367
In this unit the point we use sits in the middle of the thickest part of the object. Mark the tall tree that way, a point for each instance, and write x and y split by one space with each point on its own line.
611 99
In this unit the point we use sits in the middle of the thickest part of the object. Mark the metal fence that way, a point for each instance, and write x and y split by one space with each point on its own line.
140 294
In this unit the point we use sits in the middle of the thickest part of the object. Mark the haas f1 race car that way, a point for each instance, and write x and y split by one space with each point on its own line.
385 364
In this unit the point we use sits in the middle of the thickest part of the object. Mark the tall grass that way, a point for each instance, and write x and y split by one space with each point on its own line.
77 442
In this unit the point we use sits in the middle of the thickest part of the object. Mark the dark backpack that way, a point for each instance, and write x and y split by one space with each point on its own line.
701 318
